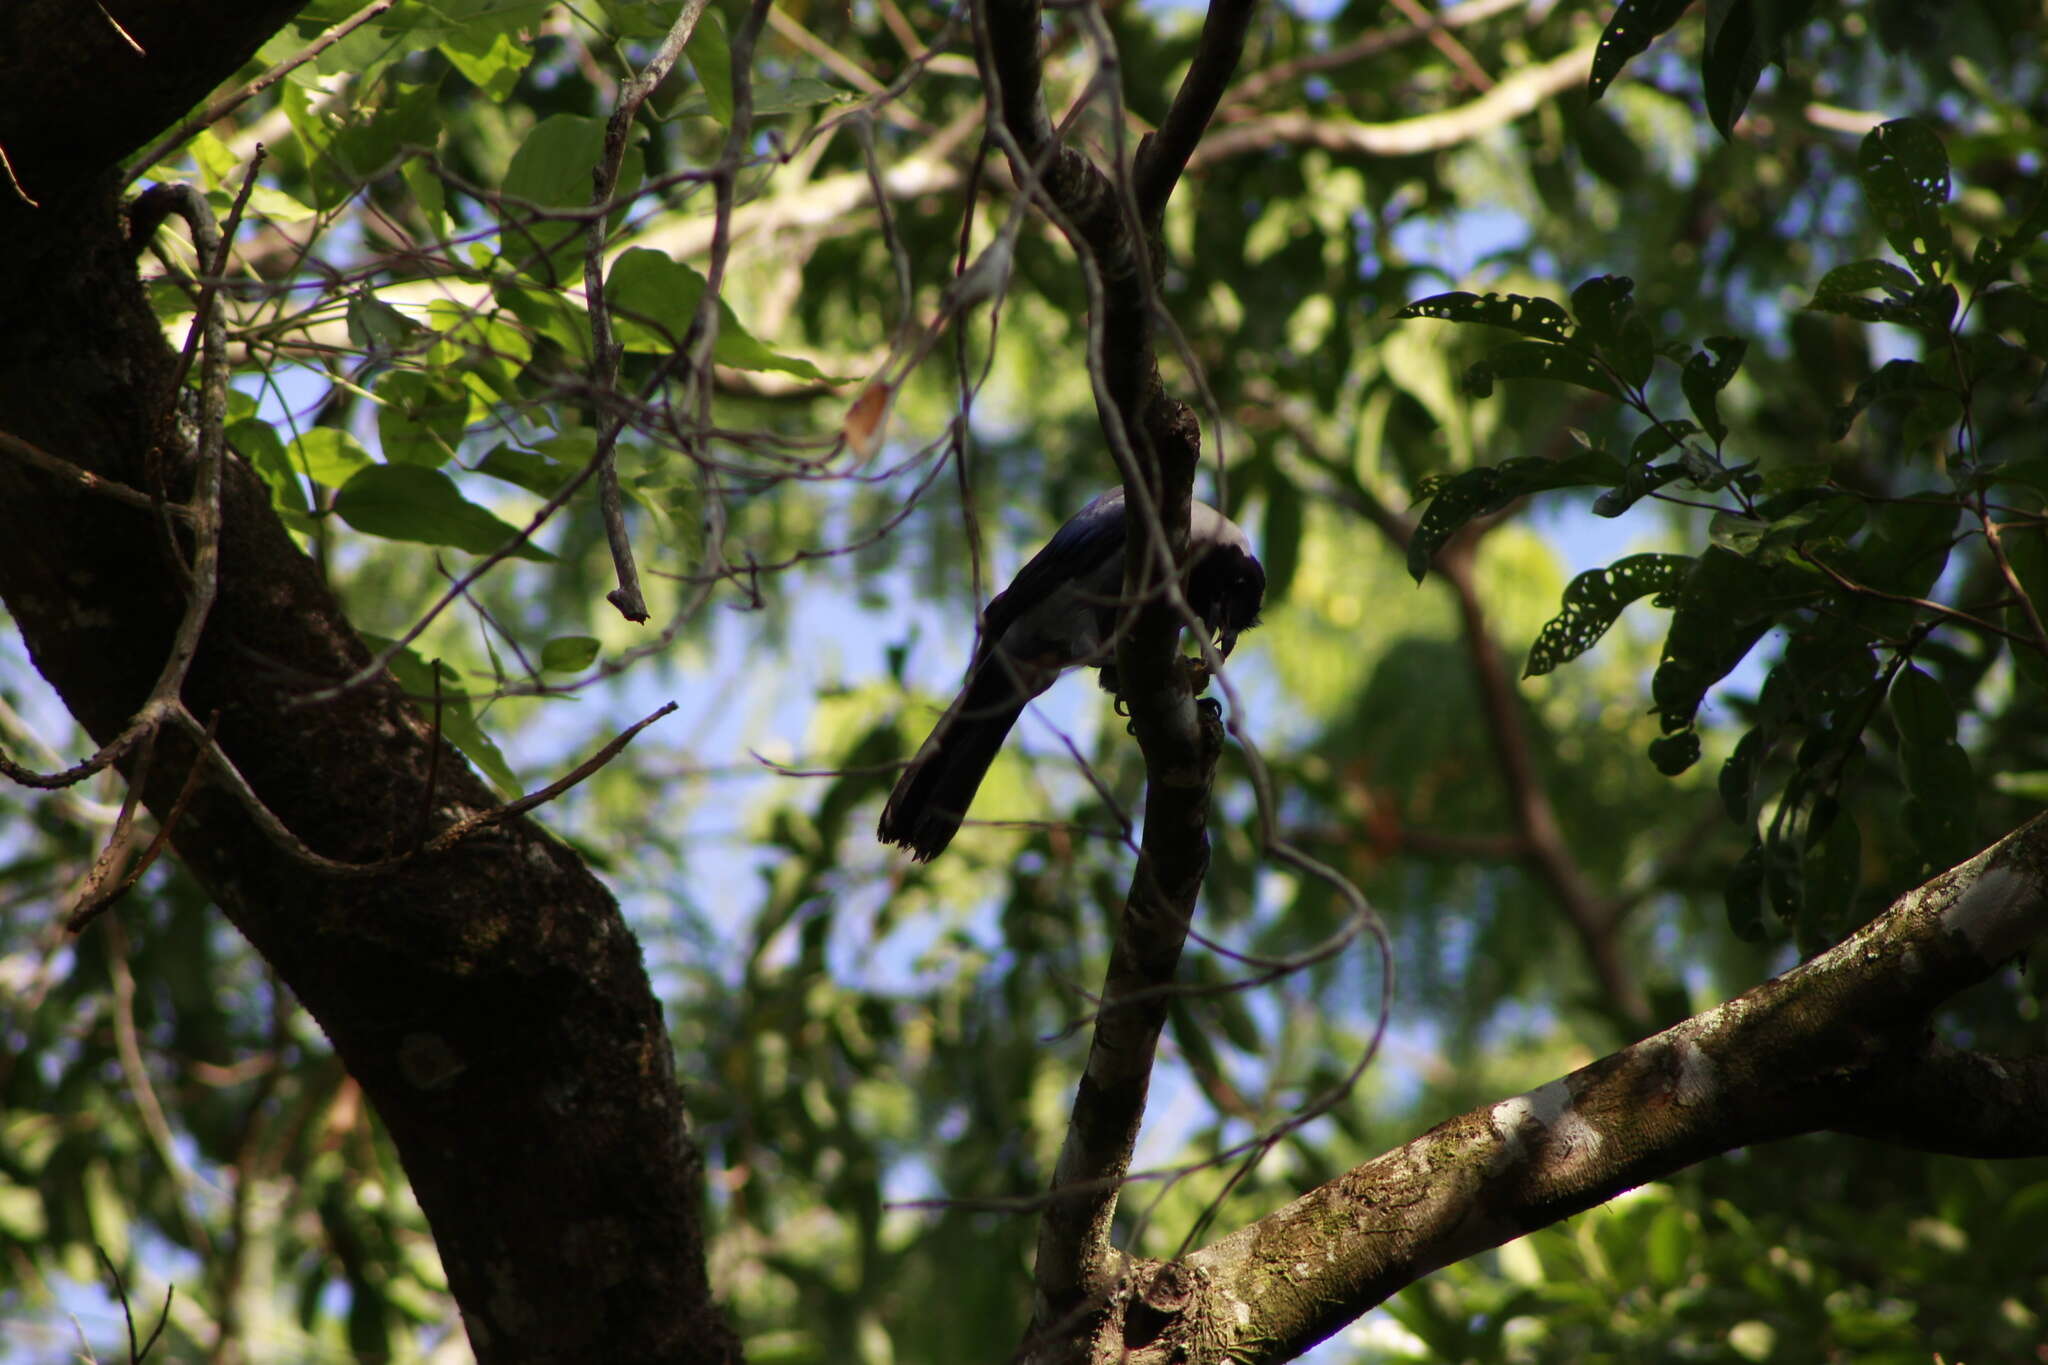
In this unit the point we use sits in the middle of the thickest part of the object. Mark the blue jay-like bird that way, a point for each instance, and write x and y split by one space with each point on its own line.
1059 612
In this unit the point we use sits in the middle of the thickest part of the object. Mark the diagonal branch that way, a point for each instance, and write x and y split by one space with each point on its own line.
1837 1044
1515 95
1164 155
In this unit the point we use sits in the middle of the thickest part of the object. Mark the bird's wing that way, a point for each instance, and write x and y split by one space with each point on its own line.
1090 538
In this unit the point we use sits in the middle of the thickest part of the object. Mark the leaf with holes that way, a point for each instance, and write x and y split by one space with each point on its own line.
1536 318
1540 360
1593 602
1636 23
1904 170
1489 488
1724 606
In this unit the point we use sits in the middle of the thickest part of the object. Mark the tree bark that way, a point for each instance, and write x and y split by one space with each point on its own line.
490 1000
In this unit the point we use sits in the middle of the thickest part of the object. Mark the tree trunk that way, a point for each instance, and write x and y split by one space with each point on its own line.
490 1000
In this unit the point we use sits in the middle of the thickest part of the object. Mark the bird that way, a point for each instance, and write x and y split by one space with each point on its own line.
1058 613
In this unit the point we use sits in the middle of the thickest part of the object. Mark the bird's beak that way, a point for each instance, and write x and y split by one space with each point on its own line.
1225 642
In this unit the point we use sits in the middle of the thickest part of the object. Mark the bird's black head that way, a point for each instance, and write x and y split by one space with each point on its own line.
1227 588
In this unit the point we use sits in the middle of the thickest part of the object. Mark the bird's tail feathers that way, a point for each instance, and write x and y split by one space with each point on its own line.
932 795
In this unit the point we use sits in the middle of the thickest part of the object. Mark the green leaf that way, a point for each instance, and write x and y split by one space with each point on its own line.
657 297
489 57
711 54
377 327
1491 487
1658 437
1815 521
1940 811
1993 255
1640 481
1703 378
1724 606
258 443
551 171
428 193
420 418
328 455
1739 774
1608 319
1833 868
529 469
548 313
1673 754
568 653
1636 23
1895 378
1859 276
1930 308
1536 318
1541 360
1904 170
1601 304
408 502
1736 54
1593 602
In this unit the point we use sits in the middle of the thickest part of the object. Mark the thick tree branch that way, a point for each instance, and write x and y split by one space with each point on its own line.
1943 1099
1164 155
1837 1044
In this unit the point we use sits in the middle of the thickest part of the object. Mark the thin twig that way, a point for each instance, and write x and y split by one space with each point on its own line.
292 846
128 1046
605 350
1441 38
14 182
37 458
113 856
94 901
1368 45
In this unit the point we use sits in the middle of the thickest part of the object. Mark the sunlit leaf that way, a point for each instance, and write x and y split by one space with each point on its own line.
1536 318
408 502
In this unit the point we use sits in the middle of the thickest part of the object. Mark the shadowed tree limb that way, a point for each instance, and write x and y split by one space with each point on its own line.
1156 441
1839 1044
487 991
1164 154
